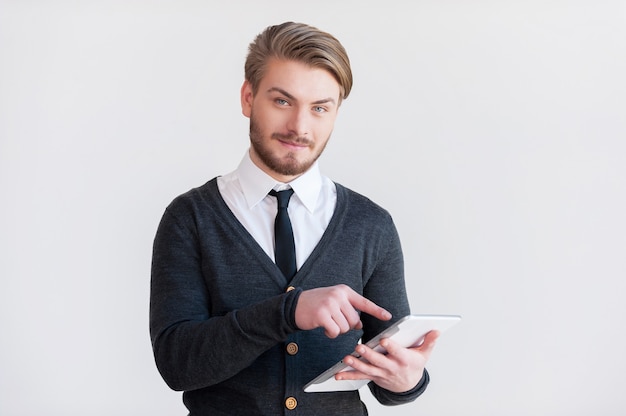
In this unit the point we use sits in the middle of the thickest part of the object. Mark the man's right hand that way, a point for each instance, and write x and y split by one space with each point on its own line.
336 309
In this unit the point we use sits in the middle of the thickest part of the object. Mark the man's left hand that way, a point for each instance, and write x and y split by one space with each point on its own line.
399 370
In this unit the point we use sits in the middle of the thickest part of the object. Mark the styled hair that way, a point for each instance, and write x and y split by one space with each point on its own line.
302 43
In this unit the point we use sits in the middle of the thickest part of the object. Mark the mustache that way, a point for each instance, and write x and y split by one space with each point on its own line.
291 138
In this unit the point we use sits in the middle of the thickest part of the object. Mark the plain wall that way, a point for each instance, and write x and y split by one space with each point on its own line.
493 131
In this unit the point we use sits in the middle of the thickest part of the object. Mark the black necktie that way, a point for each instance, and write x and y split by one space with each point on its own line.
285 249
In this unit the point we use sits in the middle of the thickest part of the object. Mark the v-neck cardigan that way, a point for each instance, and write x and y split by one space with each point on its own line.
222 315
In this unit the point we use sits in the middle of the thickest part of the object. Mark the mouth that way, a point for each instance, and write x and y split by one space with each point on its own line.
292 142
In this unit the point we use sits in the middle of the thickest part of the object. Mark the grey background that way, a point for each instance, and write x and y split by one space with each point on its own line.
493 131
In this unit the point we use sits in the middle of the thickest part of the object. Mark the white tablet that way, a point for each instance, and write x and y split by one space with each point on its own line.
408 332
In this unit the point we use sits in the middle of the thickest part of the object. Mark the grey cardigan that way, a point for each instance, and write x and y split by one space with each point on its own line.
222 314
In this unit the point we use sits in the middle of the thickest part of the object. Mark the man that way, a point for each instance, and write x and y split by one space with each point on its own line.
241 334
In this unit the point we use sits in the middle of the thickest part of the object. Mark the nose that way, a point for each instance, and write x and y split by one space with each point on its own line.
298 123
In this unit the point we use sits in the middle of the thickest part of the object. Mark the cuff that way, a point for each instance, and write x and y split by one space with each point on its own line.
291 301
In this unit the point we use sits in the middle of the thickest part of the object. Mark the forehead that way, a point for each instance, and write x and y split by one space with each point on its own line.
300 80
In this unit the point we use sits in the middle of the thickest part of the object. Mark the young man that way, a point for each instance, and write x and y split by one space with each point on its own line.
241 334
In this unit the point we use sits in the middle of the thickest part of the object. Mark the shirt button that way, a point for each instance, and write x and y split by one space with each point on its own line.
291 403
289 289
292 348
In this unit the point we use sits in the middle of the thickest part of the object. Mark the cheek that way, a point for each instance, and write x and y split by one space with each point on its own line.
324 130
271 121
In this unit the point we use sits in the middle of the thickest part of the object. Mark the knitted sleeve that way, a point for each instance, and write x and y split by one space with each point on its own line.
192 349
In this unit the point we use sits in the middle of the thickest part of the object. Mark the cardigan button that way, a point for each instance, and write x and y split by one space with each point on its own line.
291 403
289 289
292 348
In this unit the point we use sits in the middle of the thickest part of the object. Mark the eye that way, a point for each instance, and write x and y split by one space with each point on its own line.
281 101
319 109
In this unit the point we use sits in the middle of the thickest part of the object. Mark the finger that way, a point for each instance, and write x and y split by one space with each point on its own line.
365 305
429 342
331 330
393 348
351 375
362 367
372 358
351 316
342 322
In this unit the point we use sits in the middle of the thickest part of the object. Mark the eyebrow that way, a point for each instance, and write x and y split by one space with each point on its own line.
291 97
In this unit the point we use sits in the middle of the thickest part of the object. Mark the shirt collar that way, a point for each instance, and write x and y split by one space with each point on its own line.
256 184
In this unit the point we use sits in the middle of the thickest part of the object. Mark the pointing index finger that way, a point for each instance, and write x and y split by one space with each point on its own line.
365 305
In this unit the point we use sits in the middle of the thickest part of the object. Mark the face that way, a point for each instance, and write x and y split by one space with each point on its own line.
291 117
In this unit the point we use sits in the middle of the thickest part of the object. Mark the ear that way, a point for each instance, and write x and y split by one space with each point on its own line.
246 98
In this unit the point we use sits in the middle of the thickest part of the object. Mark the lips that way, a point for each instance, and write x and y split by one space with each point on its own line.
292 140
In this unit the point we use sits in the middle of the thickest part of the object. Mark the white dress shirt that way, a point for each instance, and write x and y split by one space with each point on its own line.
311 206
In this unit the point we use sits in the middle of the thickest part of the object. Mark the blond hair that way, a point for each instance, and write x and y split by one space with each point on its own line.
302 43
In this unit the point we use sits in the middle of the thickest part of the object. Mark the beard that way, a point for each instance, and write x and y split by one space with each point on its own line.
288 165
